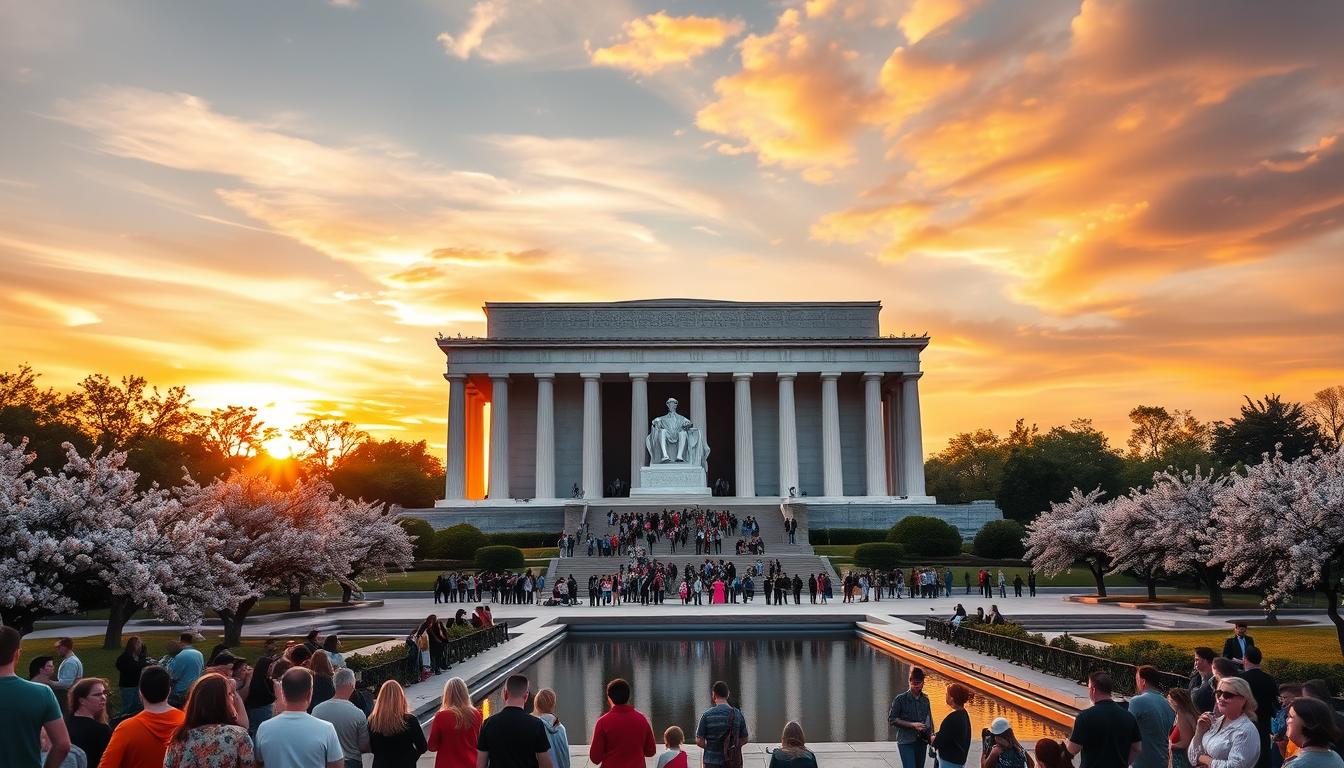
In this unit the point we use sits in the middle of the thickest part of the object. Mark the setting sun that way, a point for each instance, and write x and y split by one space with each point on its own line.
281 447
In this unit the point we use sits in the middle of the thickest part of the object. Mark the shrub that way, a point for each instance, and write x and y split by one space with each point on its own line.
1066 643
881 555
1164 656
1000 539
845 535
422 534
1286 670
499 557
525 539
459 542
1009 629
926 537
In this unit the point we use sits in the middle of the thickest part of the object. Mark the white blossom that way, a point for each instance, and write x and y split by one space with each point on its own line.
1068 532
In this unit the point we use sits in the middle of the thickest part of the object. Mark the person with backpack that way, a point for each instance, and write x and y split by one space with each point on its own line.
722 730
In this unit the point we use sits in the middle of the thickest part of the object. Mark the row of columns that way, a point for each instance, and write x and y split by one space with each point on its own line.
881 441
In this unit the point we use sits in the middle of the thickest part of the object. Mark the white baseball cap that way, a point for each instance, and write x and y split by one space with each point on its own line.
999 725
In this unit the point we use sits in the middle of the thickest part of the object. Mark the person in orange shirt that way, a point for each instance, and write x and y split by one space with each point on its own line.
142 740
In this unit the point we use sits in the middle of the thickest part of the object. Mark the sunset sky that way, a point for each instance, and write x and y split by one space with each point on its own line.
280 203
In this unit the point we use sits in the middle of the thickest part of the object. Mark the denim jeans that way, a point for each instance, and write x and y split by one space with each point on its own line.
944 764
912 755
130 701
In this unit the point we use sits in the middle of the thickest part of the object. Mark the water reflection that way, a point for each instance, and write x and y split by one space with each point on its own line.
836 685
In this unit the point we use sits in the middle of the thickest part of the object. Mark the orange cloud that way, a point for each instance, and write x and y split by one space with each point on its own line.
658 41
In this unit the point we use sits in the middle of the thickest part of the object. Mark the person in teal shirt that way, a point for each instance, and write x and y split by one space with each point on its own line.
27 709
185 667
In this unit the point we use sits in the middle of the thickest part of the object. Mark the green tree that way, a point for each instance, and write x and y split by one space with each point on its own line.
1000 539
391 471
1046 469
924 536
969 468
422 533
1263 425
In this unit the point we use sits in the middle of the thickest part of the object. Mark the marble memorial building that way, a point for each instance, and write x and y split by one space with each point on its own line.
787 399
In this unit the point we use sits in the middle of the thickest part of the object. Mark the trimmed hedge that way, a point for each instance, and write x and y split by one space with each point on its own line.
459 542
881 555
525 539
926 536
845 535
1000 539
499 557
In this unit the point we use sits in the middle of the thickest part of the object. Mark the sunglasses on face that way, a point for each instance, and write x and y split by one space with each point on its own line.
1226 694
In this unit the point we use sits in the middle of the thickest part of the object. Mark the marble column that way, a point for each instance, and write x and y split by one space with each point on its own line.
832 481
455 462
499 437
592 435
912 439
697 414
897 443
545 488
744 453
874 436
788 435
889 438
639 423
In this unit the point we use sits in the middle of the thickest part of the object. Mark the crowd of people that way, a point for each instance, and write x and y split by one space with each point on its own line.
703 529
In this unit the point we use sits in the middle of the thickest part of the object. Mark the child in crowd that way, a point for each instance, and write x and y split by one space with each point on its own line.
673 757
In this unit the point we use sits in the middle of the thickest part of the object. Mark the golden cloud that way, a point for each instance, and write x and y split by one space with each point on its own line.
658 40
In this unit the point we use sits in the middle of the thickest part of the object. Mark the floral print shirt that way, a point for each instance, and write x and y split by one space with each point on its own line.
212 746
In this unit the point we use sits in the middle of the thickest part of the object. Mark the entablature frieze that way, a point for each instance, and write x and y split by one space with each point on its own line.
714 360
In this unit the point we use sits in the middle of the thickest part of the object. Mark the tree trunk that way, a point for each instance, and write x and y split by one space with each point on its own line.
1331 589
1213 577
1099 573
21 620
346 593
295 595
1152 588
120 612
233 620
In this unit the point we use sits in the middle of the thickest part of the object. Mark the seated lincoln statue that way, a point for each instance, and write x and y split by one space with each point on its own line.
673 439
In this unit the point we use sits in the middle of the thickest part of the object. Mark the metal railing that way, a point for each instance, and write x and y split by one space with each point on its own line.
1071 665
406 670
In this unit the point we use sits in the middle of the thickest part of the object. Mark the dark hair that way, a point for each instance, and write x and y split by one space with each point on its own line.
186 637
1317 688
1225 667
10 642
720 689
80 691
296 684
66 642
312 635
261 684
1254 655
516 685
917 674
134 639
332 643
1241 624
618 691
36 664
298 655
1149 674
1206 653
155 684
1317 720
1050 755
1101 680
210 702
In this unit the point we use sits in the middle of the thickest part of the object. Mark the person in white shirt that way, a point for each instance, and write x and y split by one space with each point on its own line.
1227 739
294 738
71 669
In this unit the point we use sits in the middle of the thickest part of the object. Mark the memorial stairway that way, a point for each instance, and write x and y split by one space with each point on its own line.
795 558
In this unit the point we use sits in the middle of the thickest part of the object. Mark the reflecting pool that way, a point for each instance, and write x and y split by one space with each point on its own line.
836 685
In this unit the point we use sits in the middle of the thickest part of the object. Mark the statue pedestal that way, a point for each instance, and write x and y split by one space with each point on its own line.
672 480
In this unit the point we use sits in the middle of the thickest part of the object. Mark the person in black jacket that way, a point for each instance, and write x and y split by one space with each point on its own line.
1235 646
129 665
953 740
395 737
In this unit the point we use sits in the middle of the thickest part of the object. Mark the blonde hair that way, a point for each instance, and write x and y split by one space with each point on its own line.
457 699
792 740
544 703
673 737
1242 688
388 717
320 665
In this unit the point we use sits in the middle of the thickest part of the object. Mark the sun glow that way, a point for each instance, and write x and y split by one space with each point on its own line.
281 447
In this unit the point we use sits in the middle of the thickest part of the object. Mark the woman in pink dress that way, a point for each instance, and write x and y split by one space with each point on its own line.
718 592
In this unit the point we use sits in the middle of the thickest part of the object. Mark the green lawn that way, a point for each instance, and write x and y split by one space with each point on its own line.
102 663
264 607
1305 644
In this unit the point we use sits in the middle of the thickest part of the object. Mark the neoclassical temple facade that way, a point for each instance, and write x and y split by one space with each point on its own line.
793 398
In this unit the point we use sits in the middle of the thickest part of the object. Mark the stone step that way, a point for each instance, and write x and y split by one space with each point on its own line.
583 567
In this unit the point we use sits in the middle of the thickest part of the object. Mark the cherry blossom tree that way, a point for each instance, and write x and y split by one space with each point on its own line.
1070 532
1170 527
1282 530
375 542
35 558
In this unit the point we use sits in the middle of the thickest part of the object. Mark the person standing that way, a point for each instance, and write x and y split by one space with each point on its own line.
543 708
87 721
622 737
1311 727
1265 691
452 735
293 738
129 663
912 715
1031 583
208 736
1227 739
1184 729
395 737
140 741
27 710
1105 734
1235 646
184 667
717 724
352 727
511 737
1155 718
69 670
953 740
1201 680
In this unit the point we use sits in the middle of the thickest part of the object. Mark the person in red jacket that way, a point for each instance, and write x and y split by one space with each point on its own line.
622 737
